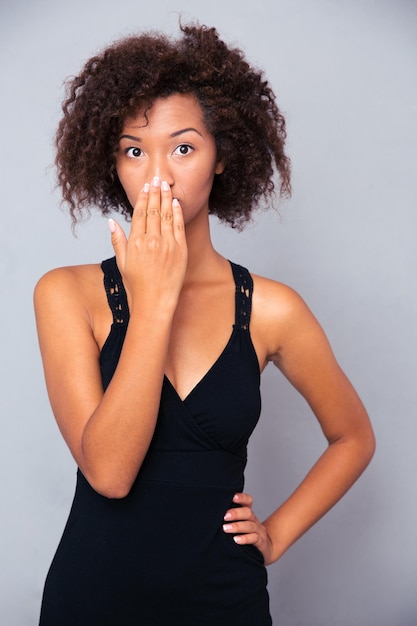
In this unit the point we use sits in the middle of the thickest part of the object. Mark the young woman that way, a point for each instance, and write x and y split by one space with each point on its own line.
153 376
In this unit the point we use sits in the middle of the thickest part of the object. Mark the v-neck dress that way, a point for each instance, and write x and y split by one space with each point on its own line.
159 556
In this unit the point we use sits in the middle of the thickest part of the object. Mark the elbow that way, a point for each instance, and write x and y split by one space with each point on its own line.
110 477
359 446
367 443
112 492
365 446
110 487
370 447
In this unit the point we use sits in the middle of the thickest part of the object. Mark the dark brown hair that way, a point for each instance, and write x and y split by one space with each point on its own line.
239 110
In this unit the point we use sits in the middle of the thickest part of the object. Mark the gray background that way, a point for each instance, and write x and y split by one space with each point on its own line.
345 74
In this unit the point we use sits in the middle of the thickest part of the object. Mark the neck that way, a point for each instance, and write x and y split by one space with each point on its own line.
202 257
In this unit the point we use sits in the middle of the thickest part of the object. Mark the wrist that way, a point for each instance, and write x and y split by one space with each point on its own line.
160 312
276 547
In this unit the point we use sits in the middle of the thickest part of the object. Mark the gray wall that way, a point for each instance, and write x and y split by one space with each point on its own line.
345 74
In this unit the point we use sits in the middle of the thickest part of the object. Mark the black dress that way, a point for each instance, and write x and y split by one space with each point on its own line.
159 556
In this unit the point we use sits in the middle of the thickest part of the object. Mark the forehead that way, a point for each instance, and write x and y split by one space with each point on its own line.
171 113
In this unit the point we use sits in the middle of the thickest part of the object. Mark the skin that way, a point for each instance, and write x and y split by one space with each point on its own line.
181 301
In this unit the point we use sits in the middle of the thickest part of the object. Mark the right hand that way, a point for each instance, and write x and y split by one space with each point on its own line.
153 260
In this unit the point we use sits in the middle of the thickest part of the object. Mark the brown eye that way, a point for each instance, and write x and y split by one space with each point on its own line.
134 152
183 149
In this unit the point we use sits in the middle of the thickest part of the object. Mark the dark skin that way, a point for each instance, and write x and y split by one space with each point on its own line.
181 301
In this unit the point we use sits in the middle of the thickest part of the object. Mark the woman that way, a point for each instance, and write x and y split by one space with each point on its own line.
154 377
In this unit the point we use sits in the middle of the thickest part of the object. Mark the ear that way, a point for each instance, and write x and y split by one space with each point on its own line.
220 165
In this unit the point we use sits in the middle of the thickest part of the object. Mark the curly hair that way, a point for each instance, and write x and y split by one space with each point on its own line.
238 105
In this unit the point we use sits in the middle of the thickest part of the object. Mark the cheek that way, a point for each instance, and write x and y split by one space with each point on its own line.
131 185
201 182
194 191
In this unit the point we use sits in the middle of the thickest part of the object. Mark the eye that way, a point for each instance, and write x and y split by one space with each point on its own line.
183 149
133 153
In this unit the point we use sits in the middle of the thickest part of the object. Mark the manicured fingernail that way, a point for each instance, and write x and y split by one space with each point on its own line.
237 538
112 225
165 185
227 527
175 202
228 516
146 187
156 181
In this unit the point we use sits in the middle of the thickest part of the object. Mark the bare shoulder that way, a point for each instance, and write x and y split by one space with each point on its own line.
77 285
62 279
73 296
279 315
275 298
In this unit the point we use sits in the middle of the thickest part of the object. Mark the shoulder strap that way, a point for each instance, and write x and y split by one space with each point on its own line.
243 297
116 293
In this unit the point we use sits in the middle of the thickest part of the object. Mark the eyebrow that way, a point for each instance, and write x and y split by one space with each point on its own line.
175 134
185 130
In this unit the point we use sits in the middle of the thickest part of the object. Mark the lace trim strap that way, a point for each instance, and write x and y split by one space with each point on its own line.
243 298
116 293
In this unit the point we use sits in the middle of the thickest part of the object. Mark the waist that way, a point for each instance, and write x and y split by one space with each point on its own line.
188 467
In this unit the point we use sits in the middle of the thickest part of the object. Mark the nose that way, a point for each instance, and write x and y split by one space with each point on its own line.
160 166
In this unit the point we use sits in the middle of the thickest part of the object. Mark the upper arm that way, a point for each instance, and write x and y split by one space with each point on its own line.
298 346
69 352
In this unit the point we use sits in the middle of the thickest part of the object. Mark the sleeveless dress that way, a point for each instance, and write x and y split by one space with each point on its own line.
159 556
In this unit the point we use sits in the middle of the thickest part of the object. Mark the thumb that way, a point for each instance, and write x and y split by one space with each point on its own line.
119 242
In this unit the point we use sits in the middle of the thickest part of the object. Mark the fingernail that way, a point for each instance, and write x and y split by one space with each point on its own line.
146 187
165 185
175 202
156 181
228 516
227 527
237 538
112 225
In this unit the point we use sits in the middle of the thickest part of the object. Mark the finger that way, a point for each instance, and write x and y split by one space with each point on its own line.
246 538
166 208
245 499
239 513
178 221
139 212
153 211
247 526
119 242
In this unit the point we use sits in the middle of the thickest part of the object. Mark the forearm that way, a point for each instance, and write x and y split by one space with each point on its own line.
117 435
329 479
